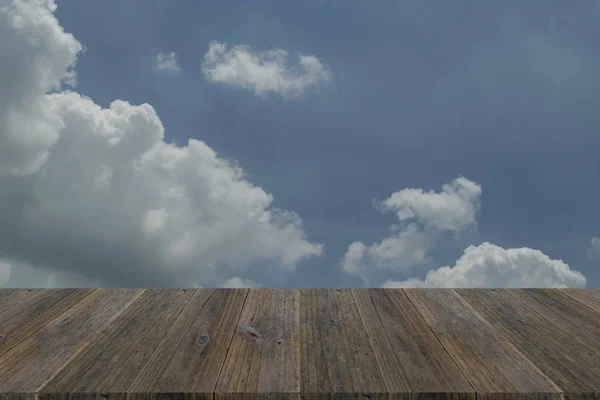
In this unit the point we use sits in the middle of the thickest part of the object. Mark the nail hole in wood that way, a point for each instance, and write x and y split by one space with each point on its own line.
2 336
279 341
203 339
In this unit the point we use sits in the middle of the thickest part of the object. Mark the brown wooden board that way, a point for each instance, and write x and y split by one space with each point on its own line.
11 297
32 313
120 350
296 344
488 360
264 357
566 313
588 297
567 362
410 356
336 357
191 357
27 367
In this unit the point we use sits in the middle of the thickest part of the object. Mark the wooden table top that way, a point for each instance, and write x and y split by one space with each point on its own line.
299 343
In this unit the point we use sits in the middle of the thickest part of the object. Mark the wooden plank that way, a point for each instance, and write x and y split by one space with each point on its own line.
11 297
566 313
29 366
493 366
192 354
32 313
409 354
569 363
335 355
264 357
588 297
120 351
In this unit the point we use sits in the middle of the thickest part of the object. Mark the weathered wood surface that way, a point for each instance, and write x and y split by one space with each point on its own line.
238 344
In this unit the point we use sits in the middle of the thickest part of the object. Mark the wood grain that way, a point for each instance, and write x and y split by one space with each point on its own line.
336 358
32 313
493 366
11 297
297 344
263 359
411 358
27 367
588 297
569 363
191 356
581 323
120 350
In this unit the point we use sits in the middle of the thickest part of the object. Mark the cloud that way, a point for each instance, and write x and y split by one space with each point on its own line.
453 209
262 72
594 250
488 265
167 62
425 215
98 192
237 282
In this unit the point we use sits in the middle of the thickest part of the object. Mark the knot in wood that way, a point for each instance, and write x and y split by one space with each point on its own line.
203 339
250 332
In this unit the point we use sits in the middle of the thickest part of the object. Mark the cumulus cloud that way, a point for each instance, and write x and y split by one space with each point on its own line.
238 283
98 192
262 72
167 63
454 208
425 215
488 265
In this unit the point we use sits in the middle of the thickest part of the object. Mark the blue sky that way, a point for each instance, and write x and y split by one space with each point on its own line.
403 95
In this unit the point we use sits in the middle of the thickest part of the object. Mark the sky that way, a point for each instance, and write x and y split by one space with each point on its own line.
299 144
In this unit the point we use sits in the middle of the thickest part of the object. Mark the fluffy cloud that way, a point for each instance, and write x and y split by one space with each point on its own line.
488 265
238 283
262 72
453 209
98 192
167 63
426 214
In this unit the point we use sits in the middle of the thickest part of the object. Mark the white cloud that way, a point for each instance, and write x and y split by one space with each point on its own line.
98 192
488 265
167 62
238 283
453 209
262 72
594 250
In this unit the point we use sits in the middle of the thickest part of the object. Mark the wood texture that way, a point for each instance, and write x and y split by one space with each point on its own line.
336 355
284 344
571 365
190 358
27 367
263 359
29 315
410 356
120 351
487 359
